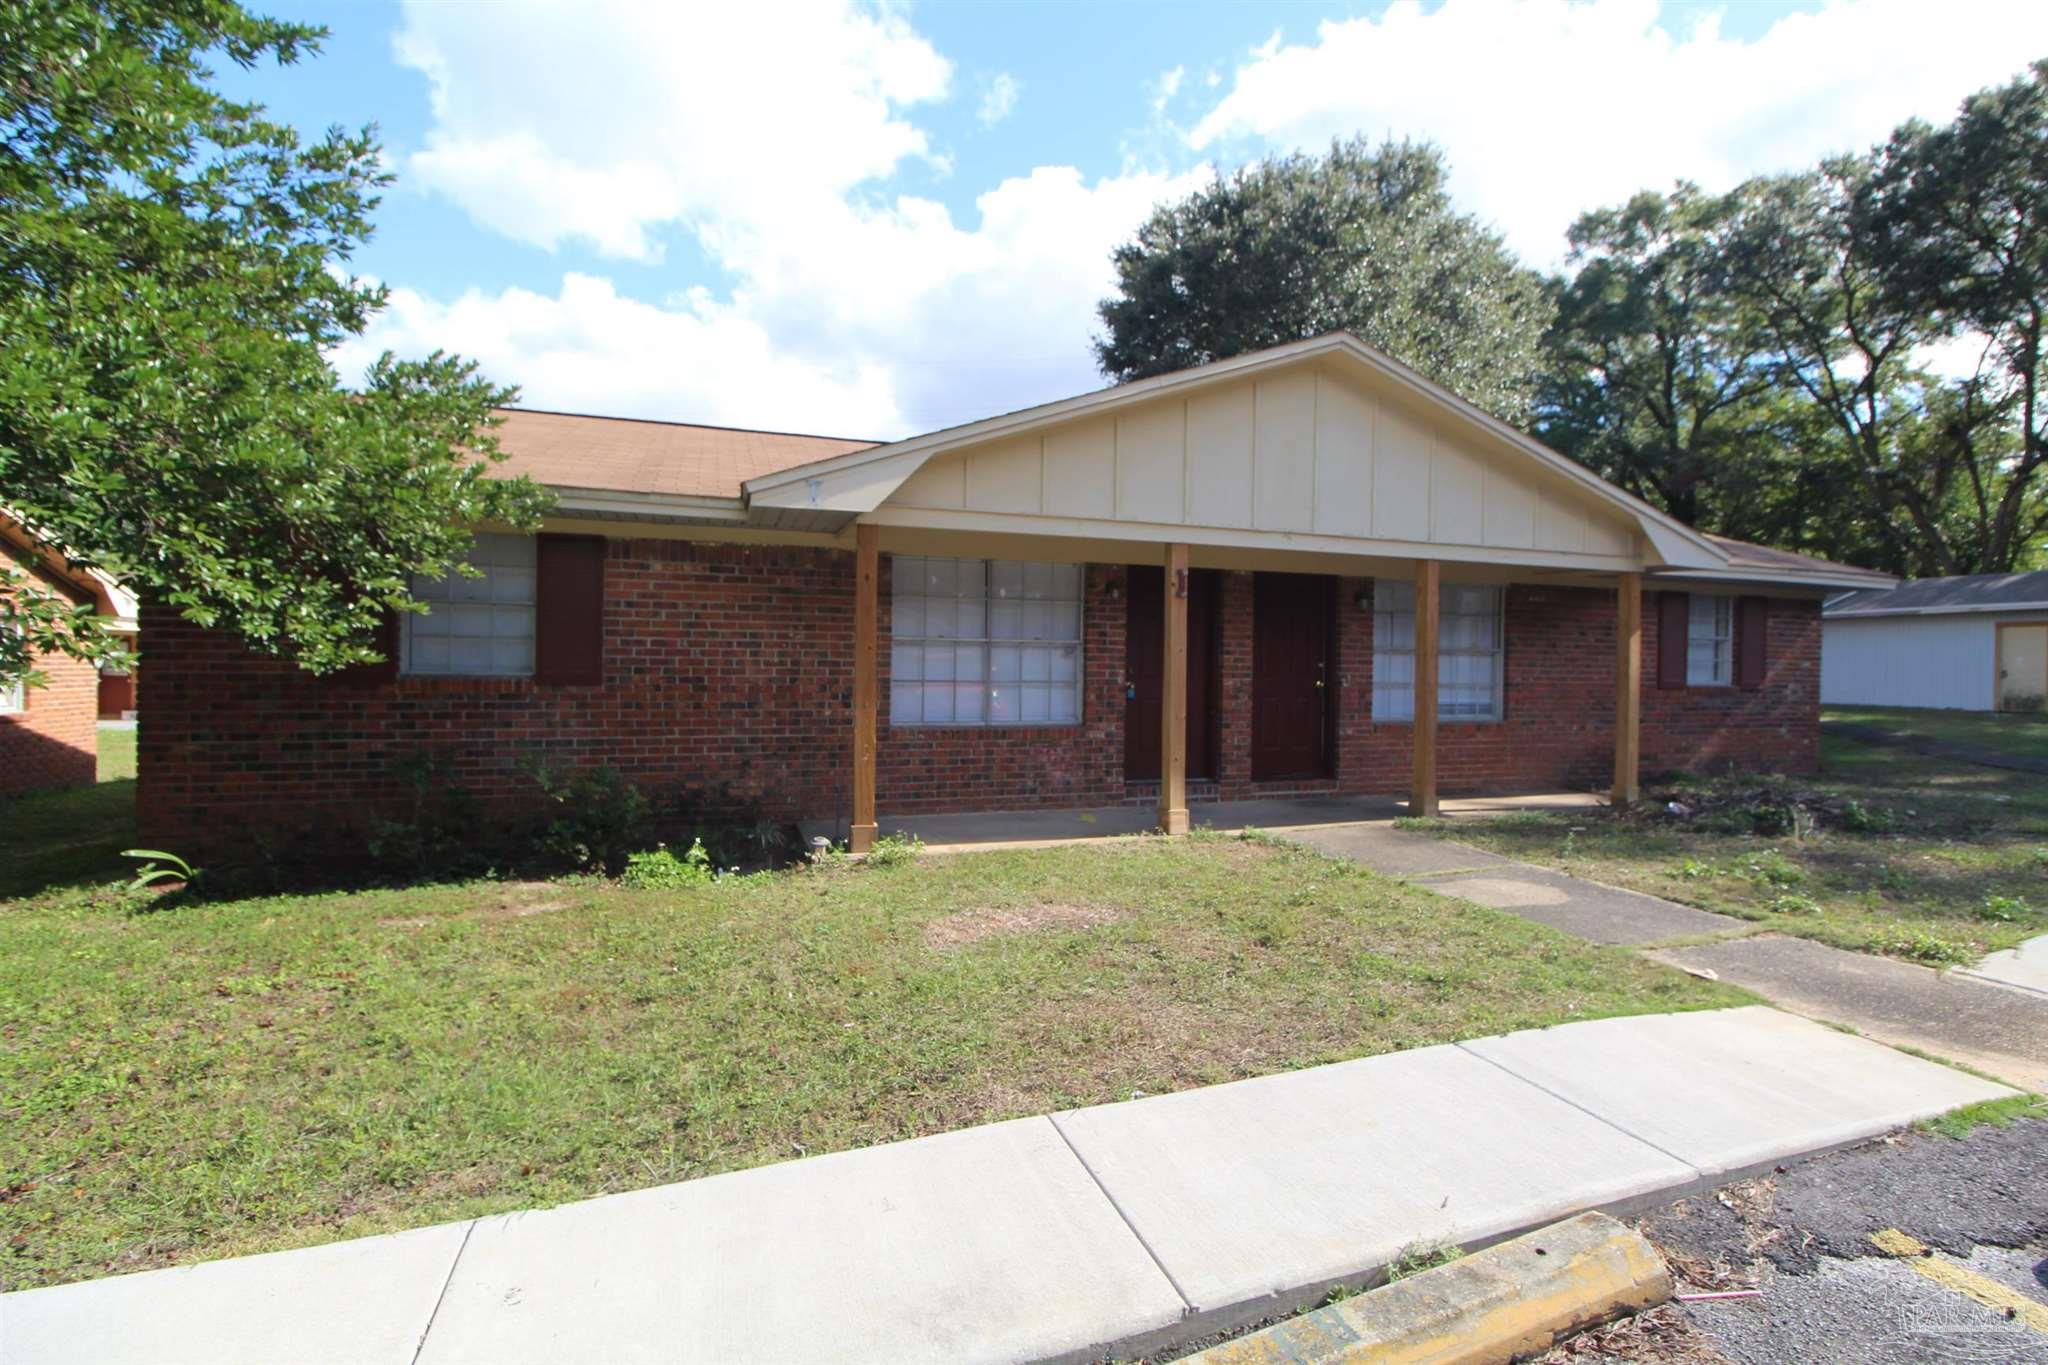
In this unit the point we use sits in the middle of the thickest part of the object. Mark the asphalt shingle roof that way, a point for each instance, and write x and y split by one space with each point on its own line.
1966 592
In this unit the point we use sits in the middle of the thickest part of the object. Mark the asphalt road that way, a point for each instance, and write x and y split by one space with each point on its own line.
1803 1238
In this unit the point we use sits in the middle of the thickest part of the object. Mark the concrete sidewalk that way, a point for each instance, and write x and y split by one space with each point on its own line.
1993 1017
1125 1227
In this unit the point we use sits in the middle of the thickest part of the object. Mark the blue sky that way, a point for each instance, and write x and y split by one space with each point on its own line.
872 221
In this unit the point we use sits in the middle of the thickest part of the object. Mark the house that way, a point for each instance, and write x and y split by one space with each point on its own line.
1977 642
49 735
1305 570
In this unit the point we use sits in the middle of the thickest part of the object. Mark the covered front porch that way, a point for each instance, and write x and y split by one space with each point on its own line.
1232 688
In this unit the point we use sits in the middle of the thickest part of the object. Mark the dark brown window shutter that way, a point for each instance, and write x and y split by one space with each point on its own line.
1674 621
568 614
1751 616
377 674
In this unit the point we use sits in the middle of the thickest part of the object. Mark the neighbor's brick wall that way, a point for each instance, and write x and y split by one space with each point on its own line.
54 740
733 664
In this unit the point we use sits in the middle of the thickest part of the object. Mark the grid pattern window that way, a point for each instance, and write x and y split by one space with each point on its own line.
476 627
1710 641
1468 665
984 642
14 695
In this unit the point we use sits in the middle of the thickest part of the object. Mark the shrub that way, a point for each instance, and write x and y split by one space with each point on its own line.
2004 909
893 849
661 870
1795 905
1769 868
1896 940
595 817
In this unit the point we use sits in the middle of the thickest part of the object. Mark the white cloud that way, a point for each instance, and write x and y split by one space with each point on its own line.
843 310
1165 86
1549 108
998 99
608 122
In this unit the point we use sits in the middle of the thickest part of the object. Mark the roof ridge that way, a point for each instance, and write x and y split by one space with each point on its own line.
695 426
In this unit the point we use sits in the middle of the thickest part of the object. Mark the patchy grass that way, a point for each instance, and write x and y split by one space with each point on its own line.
117 753
1957 1123
186 1080
2007 732
1929 859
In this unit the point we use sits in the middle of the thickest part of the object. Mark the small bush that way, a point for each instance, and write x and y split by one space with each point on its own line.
661 870
1692 869
1794 905
1769 868
1896 940
595 817
2005 909
892 850
1855 816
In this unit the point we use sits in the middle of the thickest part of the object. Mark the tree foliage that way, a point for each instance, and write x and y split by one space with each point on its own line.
172 266
1361 239
1762 363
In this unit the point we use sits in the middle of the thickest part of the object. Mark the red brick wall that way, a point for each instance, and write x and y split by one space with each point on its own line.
54 740
733 664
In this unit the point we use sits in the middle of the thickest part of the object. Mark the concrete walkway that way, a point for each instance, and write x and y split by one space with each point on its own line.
1993 1017
1123 1228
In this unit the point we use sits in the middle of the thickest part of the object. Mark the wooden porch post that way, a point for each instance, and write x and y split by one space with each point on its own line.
1428 583
867 577
1628 688
1173 690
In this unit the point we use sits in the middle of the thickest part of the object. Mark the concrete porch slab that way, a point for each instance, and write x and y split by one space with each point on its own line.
364 1302
1730 1090
1604 914
1286 1183
990 1244
981 830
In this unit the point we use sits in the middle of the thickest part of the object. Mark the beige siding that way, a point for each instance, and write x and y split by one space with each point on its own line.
1314 450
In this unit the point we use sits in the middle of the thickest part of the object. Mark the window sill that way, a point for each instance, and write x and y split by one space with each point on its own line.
1033 726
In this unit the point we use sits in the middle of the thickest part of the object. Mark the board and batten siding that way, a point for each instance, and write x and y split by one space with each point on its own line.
1937 662
1301 450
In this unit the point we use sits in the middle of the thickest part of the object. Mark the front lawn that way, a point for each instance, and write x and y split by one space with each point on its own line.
1887 851
2008 732
206 1079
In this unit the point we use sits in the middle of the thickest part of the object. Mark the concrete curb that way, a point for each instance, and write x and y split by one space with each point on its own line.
1510 1300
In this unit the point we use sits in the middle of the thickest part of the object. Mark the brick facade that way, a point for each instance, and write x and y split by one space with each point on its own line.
732 664
53 741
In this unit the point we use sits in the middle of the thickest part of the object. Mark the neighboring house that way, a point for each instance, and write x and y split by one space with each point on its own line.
1978 642
981 618
49 735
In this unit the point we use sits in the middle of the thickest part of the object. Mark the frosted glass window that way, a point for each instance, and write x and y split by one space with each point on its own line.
1710 641
1468 652
984 642
476 627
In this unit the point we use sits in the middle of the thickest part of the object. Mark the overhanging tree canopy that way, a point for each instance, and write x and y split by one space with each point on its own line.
172 267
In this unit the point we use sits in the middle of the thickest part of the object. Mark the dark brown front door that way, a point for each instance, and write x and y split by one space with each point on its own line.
1290 675
1144 669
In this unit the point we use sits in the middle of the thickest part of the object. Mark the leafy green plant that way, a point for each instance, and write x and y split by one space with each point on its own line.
160 867
1421 1256
1897 940
1794 905
1692 869
596 817
1854 815
659 869
892 850
1769 868
2004 909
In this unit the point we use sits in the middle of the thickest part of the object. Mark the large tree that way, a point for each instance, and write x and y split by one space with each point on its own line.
1362 239
1958 219
1657 372
173 265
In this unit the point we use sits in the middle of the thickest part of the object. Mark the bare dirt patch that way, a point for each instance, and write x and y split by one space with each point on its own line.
969 927
511 900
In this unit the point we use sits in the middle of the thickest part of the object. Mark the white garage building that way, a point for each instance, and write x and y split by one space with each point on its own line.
1973 643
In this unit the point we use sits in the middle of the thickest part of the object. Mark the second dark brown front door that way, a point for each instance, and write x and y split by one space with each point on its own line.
1144 667
1290 675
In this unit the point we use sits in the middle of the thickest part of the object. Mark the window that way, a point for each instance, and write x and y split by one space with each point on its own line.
14 695
984 642
1468 661
476 627
1709 641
